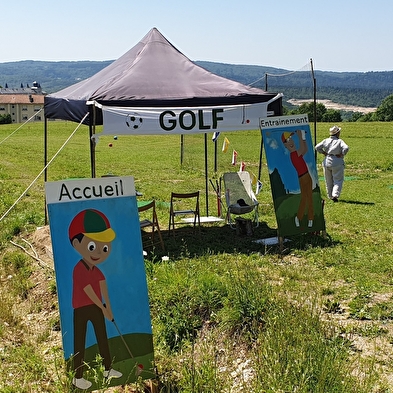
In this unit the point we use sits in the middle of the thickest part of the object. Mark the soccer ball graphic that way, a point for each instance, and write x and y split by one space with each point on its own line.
134 121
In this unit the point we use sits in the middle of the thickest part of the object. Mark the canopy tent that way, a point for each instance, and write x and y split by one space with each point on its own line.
154 74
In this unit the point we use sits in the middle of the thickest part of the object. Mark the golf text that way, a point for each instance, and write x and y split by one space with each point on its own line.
188 119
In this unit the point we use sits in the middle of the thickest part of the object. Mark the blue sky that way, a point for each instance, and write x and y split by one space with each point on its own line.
345 35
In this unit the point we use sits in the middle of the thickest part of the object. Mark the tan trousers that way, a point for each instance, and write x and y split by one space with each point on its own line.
305 183
334 179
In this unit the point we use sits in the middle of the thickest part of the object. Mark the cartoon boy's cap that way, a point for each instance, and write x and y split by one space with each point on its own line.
93 224
285 136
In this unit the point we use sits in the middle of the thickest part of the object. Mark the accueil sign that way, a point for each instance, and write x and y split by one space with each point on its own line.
99 267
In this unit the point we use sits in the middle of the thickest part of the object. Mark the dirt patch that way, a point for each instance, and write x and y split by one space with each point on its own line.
43 245
333 105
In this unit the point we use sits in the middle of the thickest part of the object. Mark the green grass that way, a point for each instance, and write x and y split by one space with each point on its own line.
227 313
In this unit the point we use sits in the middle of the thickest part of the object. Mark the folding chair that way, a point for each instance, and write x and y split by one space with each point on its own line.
152 223
239 196
177 209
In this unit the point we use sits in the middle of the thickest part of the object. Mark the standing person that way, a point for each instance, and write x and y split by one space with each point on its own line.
334 149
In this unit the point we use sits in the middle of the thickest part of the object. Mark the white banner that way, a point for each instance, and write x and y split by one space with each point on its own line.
89 189
187 120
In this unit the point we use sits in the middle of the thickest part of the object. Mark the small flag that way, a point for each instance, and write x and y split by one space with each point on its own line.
225 145
259 187
253 179
242 166
234 157
215 136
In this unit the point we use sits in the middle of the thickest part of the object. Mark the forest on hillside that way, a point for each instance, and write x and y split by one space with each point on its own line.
366 89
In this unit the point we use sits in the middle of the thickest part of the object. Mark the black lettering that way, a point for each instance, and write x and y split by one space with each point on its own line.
86 194
216 118
64 192
95 191
117 191
201 122
171 122
181 120
74 194
98 193
108 190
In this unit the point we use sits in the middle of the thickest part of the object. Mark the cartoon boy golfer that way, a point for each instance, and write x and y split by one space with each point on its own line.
91 235
305 181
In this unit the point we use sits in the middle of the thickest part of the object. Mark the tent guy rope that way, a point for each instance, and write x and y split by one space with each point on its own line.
43 169
305 67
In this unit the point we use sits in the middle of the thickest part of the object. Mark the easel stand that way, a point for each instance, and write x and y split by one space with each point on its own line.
281 244
243 227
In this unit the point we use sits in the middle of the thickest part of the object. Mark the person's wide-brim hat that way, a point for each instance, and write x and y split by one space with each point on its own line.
334 130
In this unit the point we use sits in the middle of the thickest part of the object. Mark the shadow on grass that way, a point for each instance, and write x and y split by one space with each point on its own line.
356 202
218 239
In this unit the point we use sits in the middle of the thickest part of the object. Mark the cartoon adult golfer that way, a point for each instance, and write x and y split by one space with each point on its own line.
91 235
305 180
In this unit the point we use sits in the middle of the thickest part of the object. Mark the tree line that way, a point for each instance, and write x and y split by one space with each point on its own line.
384 112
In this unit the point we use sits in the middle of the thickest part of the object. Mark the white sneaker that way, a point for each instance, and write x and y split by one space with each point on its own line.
309 223
112 373
297 223
81 383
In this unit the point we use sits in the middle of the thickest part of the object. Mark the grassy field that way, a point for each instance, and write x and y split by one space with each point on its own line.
228 314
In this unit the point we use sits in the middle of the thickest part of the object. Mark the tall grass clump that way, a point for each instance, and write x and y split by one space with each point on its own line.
184 295
18 270
299 352
248 299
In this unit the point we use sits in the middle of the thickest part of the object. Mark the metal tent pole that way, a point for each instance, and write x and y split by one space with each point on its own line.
206 179
45 161
92 126
315 106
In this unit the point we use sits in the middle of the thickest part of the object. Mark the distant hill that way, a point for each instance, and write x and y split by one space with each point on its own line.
52 76
365 89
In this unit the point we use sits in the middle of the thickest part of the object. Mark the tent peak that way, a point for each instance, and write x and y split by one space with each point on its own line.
154 36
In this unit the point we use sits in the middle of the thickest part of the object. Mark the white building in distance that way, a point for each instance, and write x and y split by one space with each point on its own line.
22 103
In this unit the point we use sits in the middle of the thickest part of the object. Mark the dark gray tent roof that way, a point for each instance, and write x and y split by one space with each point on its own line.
152 74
